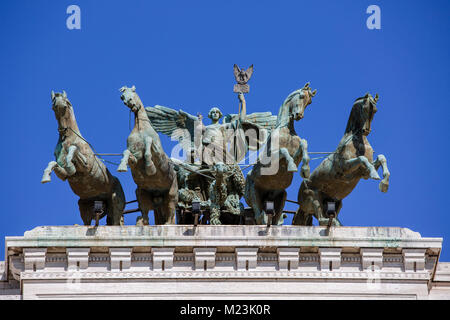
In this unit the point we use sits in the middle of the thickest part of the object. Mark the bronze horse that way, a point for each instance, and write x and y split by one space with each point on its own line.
153 173
268 180
337 176
87 175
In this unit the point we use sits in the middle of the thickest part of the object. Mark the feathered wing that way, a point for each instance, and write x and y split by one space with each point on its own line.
178 125
249 72
236 71
261 123
264 120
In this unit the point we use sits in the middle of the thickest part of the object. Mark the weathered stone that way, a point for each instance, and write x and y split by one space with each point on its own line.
205 258
167 261
246 258
120 258
77 258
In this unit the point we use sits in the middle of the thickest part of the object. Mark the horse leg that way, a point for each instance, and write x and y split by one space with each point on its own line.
249 193
116 205
86 210
70 167
303 151
381 161
145 205
319 214
355 163
150 168
123 166
53 165
280 200
336 221
171 200
257 205
305 170
292 167
169 212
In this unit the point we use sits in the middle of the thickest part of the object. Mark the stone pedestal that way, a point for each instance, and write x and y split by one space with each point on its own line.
223 262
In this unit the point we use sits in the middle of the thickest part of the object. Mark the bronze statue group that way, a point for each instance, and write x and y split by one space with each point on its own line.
208 185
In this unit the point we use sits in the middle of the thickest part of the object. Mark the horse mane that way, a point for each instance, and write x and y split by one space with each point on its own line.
356 118
283 112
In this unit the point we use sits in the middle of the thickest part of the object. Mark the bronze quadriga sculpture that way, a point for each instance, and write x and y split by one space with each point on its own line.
152 171
210 181
284 151
87 175
337 175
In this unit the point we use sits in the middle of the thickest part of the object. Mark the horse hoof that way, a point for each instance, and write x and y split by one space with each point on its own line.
292 168
305 173
122 169
383 186
374 175
45 180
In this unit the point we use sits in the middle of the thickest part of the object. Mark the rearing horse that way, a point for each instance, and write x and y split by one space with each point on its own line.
268 180
153 173
87 175
341 171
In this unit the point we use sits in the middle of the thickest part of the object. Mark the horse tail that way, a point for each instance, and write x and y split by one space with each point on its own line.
158 215
117 187
249 190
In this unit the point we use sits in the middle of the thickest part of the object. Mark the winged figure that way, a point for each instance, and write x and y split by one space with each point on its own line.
242 76
194 136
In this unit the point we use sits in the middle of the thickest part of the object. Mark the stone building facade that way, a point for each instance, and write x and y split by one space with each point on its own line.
223 262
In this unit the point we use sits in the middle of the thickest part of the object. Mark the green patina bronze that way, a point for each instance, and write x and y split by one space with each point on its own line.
211 173
337 175
269 179
87 175
153 173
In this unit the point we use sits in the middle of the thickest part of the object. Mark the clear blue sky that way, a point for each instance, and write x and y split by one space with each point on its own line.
181 53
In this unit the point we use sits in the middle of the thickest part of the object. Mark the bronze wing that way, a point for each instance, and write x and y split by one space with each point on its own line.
178 125
259 123
236 71
249 72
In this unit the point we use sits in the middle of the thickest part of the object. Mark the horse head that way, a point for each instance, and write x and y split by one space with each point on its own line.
63 110
130 98
294 106
363 111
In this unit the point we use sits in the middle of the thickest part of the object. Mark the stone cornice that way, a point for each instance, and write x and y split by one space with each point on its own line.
216 236
161 261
